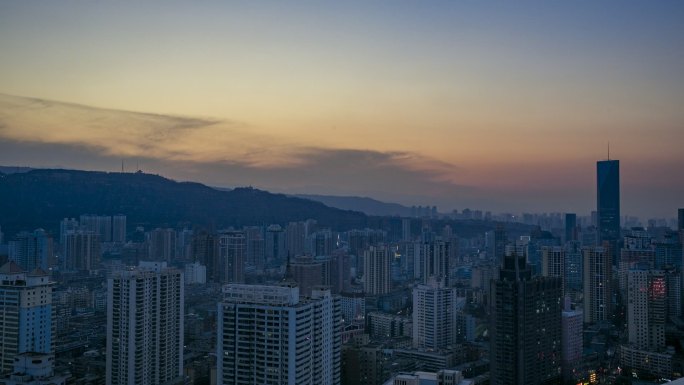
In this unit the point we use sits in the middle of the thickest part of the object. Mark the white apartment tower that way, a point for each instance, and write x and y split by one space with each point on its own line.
435 310
269 335
25 314
145 325
377 270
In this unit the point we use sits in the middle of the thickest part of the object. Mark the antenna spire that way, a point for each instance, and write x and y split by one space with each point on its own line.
608 150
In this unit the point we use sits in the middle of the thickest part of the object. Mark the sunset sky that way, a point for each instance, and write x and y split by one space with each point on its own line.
501 106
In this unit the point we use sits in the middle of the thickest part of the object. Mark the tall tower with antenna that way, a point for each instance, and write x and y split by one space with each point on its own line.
608 200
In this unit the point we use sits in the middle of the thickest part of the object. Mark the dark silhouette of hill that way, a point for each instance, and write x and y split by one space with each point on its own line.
368 206
42 197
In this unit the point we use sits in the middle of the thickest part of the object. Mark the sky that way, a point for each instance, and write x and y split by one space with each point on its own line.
501 106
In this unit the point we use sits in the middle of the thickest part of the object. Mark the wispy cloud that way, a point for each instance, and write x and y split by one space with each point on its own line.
212 150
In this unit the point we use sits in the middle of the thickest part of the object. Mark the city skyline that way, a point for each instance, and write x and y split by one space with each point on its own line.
490 106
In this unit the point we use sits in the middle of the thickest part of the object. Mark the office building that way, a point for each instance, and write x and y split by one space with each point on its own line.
145 314
597 265
525 325
269 335
376 266
26 322
608 201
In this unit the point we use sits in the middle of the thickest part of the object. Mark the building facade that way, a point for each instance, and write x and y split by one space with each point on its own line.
145 314
26 314
268 335
525 326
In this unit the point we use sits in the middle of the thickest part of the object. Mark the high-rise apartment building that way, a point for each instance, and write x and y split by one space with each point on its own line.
119 228
646 309
571 340
162 245
377 270
435 309
232 250
608 200
269 335
553 263
597 267
274 248
99 224
26 313
204 249
646 317
82 250
296 233
525 325
435 261
145 314
32 250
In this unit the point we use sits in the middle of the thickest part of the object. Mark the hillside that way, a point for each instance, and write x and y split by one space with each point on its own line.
368 206
41 198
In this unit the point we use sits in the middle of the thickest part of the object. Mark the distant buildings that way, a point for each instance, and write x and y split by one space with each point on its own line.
145 314
26 314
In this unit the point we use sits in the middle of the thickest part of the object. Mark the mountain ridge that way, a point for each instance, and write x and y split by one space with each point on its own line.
42 197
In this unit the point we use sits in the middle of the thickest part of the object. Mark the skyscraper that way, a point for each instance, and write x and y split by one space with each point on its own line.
269 335
26 323
525 325
608 200
145 315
